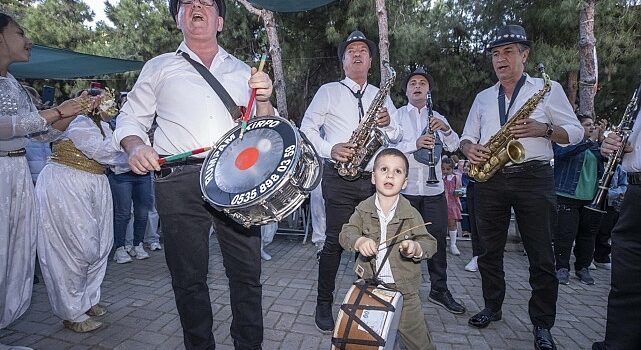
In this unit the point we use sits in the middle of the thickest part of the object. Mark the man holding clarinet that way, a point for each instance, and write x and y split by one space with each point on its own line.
425 191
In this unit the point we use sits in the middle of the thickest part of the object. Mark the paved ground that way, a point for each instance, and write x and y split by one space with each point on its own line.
142 312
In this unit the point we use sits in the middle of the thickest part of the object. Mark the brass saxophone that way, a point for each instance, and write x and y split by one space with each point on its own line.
367 137
503 146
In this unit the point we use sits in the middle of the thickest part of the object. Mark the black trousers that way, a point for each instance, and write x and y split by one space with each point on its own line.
577 224
434 209
341 198
186 220
623 329
601 243
477 249
531 194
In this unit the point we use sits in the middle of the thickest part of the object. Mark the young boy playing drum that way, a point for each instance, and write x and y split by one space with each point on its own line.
370 232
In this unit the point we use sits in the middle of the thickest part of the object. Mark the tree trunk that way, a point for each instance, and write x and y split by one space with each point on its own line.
572 87
587 59
383 40
275 53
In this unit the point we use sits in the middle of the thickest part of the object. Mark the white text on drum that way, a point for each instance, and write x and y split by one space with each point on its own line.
245 197
209 173
268 123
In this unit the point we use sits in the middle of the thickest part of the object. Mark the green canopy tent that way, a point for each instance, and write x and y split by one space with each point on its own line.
52 63
290 5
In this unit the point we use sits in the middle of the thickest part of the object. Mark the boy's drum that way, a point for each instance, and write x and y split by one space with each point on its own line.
262 177
368 318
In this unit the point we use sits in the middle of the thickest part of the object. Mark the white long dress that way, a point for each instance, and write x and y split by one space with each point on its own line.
75 213
19 118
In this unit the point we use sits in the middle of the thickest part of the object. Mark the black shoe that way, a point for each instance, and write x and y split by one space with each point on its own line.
323 318
563 275
599 345
584 276
483 318
446 300
543 339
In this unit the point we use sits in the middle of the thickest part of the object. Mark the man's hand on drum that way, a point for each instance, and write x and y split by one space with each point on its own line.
425 141
342 152
366 246
263 85
382 117
410 249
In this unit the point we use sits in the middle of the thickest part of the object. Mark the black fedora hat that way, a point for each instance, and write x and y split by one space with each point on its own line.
175 4
510 34
354 37
422 72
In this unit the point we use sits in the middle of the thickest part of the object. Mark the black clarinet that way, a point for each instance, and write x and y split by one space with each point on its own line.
431 164
623 130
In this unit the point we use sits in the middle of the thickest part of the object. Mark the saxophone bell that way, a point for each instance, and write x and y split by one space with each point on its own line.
515 151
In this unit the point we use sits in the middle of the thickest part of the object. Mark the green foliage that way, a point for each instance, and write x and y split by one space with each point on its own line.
448 37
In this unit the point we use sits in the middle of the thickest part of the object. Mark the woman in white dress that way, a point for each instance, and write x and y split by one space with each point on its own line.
19 121
75 213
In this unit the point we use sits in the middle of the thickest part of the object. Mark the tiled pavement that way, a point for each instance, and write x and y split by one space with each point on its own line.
142 312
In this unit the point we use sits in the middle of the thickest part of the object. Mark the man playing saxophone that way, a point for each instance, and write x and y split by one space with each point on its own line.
527 187
338 108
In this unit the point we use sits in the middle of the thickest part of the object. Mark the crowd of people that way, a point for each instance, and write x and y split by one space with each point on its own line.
172 109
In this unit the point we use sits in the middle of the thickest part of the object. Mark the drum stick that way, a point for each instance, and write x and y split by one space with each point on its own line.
408 230
250 104
183 155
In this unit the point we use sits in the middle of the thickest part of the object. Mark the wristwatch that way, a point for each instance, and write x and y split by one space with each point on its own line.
549 131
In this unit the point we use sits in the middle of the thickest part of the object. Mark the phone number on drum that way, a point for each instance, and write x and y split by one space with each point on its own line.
242 198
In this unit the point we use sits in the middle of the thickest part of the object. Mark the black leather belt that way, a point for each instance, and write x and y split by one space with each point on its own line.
168 168
527 166
634 178
329 166
17 153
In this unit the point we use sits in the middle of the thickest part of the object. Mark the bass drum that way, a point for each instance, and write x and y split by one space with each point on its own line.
263 176
368 318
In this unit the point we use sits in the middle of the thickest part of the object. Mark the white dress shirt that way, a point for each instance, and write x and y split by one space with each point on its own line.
386 272
631 162
483 120
413 122
190 113
334 109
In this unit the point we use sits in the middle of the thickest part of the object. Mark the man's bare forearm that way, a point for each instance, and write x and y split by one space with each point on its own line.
131 141
264 109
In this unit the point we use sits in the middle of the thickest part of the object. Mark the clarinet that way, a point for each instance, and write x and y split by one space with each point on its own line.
623 130
431 164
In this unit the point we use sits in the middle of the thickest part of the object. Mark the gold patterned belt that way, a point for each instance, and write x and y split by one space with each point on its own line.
65 152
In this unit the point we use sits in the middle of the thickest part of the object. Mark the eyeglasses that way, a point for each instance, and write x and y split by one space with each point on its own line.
203 2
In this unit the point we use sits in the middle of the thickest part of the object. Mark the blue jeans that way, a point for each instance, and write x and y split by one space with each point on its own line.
126 187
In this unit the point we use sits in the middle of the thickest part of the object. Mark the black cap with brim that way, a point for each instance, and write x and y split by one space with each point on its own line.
509 34
174 5
354 37
421 72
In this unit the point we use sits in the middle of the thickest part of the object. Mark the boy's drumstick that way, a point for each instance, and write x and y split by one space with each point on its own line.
250 104
408 230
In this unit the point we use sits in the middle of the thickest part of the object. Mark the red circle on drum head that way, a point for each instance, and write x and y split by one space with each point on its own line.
247 158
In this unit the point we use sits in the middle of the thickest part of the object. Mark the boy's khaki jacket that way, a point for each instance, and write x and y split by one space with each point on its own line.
365 222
